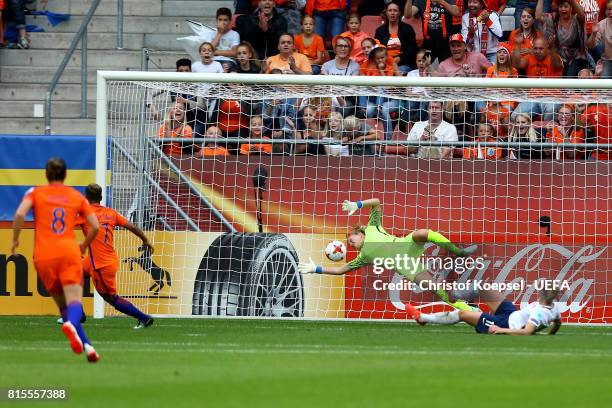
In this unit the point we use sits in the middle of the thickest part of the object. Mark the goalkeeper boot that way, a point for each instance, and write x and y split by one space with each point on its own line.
469 250
73 337
143 324
92 355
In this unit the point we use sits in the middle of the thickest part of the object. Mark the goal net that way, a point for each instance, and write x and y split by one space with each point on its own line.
236 179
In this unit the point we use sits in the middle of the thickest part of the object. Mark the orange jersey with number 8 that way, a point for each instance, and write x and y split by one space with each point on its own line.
56 210
102 250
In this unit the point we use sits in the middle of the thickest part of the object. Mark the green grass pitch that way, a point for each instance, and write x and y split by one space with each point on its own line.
258 363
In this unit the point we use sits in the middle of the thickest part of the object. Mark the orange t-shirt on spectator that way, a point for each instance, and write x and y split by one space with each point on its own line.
278 62
394 46
575 136
541 69
250 148
599 118
312 51
357 52
368 69
477 152
527 43
501 74
213 151
323 5
183 131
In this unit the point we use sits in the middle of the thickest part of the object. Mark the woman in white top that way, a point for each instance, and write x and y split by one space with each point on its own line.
206 63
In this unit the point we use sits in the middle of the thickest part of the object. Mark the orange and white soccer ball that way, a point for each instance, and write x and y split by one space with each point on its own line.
335 251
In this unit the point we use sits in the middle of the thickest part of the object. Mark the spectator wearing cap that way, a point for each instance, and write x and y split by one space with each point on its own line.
602 34
437 17
288 61
567 27
482 29
463 63
329 15
262 28
398 37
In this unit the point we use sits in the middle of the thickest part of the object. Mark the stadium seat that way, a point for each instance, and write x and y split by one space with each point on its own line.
417 26
398 149
369 24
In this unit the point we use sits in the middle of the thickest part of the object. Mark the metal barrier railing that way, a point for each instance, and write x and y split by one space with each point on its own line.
81 35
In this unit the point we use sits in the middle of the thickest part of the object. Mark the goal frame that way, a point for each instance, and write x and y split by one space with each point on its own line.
104 77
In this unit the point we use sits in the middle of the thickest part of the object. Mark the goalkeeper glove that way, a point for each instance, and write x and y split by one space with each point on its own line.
350 207
309 267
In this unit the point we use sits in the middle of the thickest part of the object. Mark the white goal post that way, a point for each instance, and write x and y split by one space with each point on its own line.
222 225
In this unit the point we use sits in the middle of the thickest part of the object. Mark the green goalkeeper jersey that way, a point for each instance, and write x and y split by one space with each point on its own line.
378 243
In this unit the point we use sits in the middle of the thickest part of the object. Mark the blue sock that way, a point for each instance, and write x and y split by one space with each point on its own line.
74 313
124 306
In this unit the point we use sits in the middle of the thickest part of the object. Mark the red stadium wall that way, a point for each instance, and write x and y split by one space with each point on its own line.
497 204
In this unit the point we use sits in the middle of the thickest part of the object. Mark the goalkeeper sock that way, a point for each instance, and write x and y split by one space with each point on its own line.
74 312
124 306
443 242
440 318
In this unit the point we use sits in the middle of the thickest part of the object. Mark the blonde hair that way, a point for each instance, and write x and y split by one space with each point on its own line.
328 130
548 295
531 133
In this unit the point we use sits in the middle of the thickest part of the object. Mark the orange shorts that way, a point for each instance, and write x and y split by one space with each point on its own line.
104 278
56 273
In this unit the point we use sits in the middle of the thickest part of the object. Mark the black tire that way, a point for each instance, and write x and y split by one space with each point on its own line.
249 274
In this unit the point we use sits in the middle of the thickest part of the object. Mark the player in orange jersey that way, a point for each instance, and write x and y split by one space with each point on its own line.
102 261
57 255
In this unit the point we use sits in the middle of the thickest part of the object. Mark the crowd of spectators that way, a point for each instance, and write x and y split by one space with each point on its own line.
551 38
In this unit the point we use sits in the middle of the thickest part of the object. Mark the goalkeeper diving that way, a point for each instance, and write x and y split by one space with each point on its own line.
372 242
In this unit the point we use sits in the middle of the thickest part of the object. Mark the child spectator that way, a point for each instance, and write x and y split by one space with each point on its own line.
175 126
357 131
526 33
379 64
256 132
329 15
486 133
310 44
225 40
354 33
497 114
247 59
417 110
523 132
211 149
334 133
207 64
367 45
566 131
309 128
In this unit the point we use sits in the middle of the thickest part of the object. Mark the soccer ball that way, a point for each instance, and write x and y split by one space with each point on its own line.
335 251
